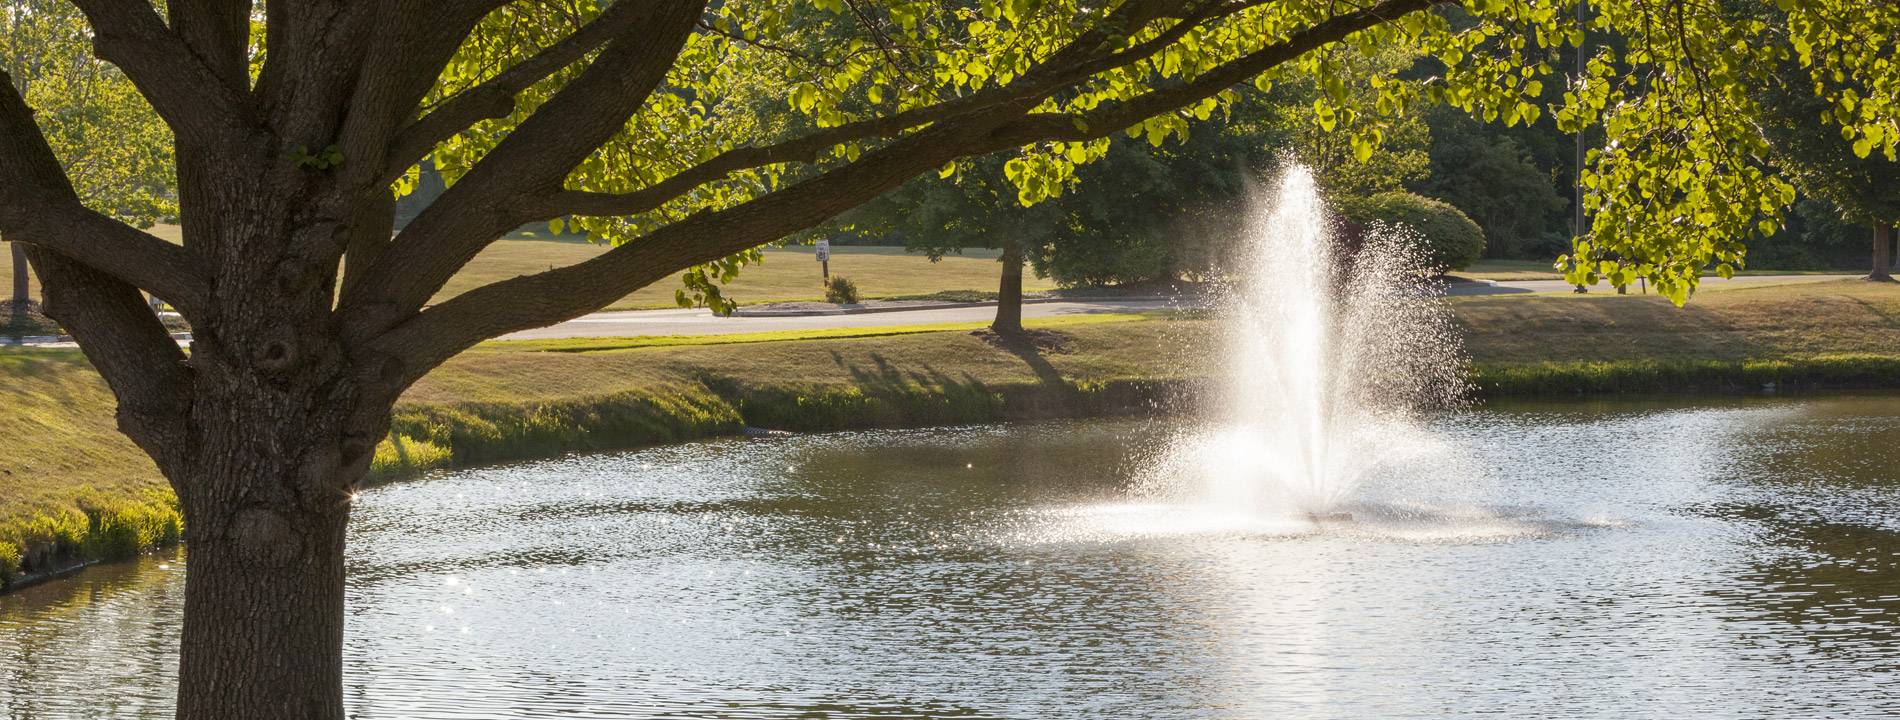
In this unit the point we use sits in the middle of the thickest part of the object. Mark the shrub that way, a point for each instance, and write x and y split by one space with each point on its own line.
841 290
1452 241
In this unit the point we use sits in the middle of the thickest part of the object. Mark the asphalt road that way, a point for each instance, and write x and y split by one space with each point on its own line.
701 322
1510 287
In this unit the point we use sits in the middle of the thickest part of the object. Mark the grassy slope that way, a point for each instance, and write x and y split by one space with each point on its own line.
86 484
78 485
66 474
1842 332
1796 319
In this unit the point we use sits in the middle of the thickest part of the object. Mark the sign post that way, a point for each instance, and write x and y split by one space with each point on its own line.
824 260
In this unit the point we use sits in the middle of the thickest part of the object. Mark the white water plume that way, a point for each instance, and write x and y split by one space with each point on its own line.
1332 351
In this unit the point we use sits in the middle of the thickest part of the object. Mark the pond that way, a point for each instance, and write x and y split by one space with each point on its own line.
1725 557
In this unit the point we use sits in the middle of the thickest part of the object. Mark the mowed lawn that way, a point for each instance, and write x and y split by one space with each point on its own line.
1772 320
786 274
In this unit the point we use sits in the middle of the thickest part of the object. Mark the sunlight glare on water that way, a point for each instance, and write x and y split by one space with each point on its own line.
1732 559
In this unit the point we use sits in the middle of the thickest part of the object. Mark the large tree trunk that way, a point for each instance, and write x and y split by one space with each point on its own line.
1009 294
1883 254
263 632
21 280
266 499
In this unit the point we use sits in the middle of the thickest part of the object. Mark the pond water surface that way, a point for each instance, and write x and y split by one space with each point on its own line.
1727 558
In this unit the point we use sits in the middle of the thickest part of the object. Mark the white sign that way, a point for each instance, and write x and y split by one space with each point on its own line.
824 250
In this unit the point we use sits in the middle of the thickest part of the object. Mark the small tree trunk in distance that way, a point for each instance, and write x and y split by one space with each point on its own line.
1009 294
20 282
1883 254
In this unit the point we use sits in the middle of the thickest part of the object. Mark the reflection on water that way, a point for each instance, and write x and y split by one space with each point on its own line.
1731 558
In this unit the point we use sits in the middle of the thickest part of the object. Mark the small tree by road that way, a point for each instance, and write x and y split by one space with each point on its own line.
1863 185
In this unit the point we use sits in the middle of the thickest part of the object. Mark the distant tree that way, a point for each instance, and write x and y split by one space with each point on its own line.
1862 185
1147 210
114 149
1151 212
1450 240
1505 179
1357 154
940 215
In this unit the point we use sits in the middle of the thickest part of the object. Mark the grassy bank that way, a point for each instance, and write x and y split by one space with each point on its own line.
1841 333
72 487
1542 270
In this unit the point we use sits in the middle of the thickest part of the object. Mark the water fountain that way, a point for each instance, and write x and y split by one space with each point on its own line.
1332 349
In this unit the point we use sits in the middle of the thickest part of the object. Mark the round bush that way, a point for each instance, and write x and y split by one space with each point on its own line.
841 291
1452 241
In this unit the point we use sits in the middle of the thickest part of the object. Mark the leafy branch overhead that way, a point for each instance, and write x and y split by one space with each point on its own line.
1683 182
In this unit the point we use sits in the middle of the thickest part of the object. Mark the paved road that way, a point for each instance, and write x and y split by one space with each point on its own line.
1506 287
701 322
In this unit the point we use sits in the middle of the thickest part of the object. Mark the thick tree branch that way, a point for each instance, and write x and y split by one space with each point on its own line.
1110 119
412 43
495 97
533 160
218 32
1053 77
130 348
38 207
536 300
201 108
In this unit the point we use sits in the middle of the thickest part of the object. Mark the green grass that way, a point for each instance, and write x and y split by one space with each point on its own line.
69 482
787 274
1841 333
1509 270
641 341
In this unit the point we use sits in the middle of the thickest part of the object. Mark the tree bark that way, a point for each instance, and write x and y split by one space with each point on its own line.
1883 254
20 282
1009 293
266 500
263 632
